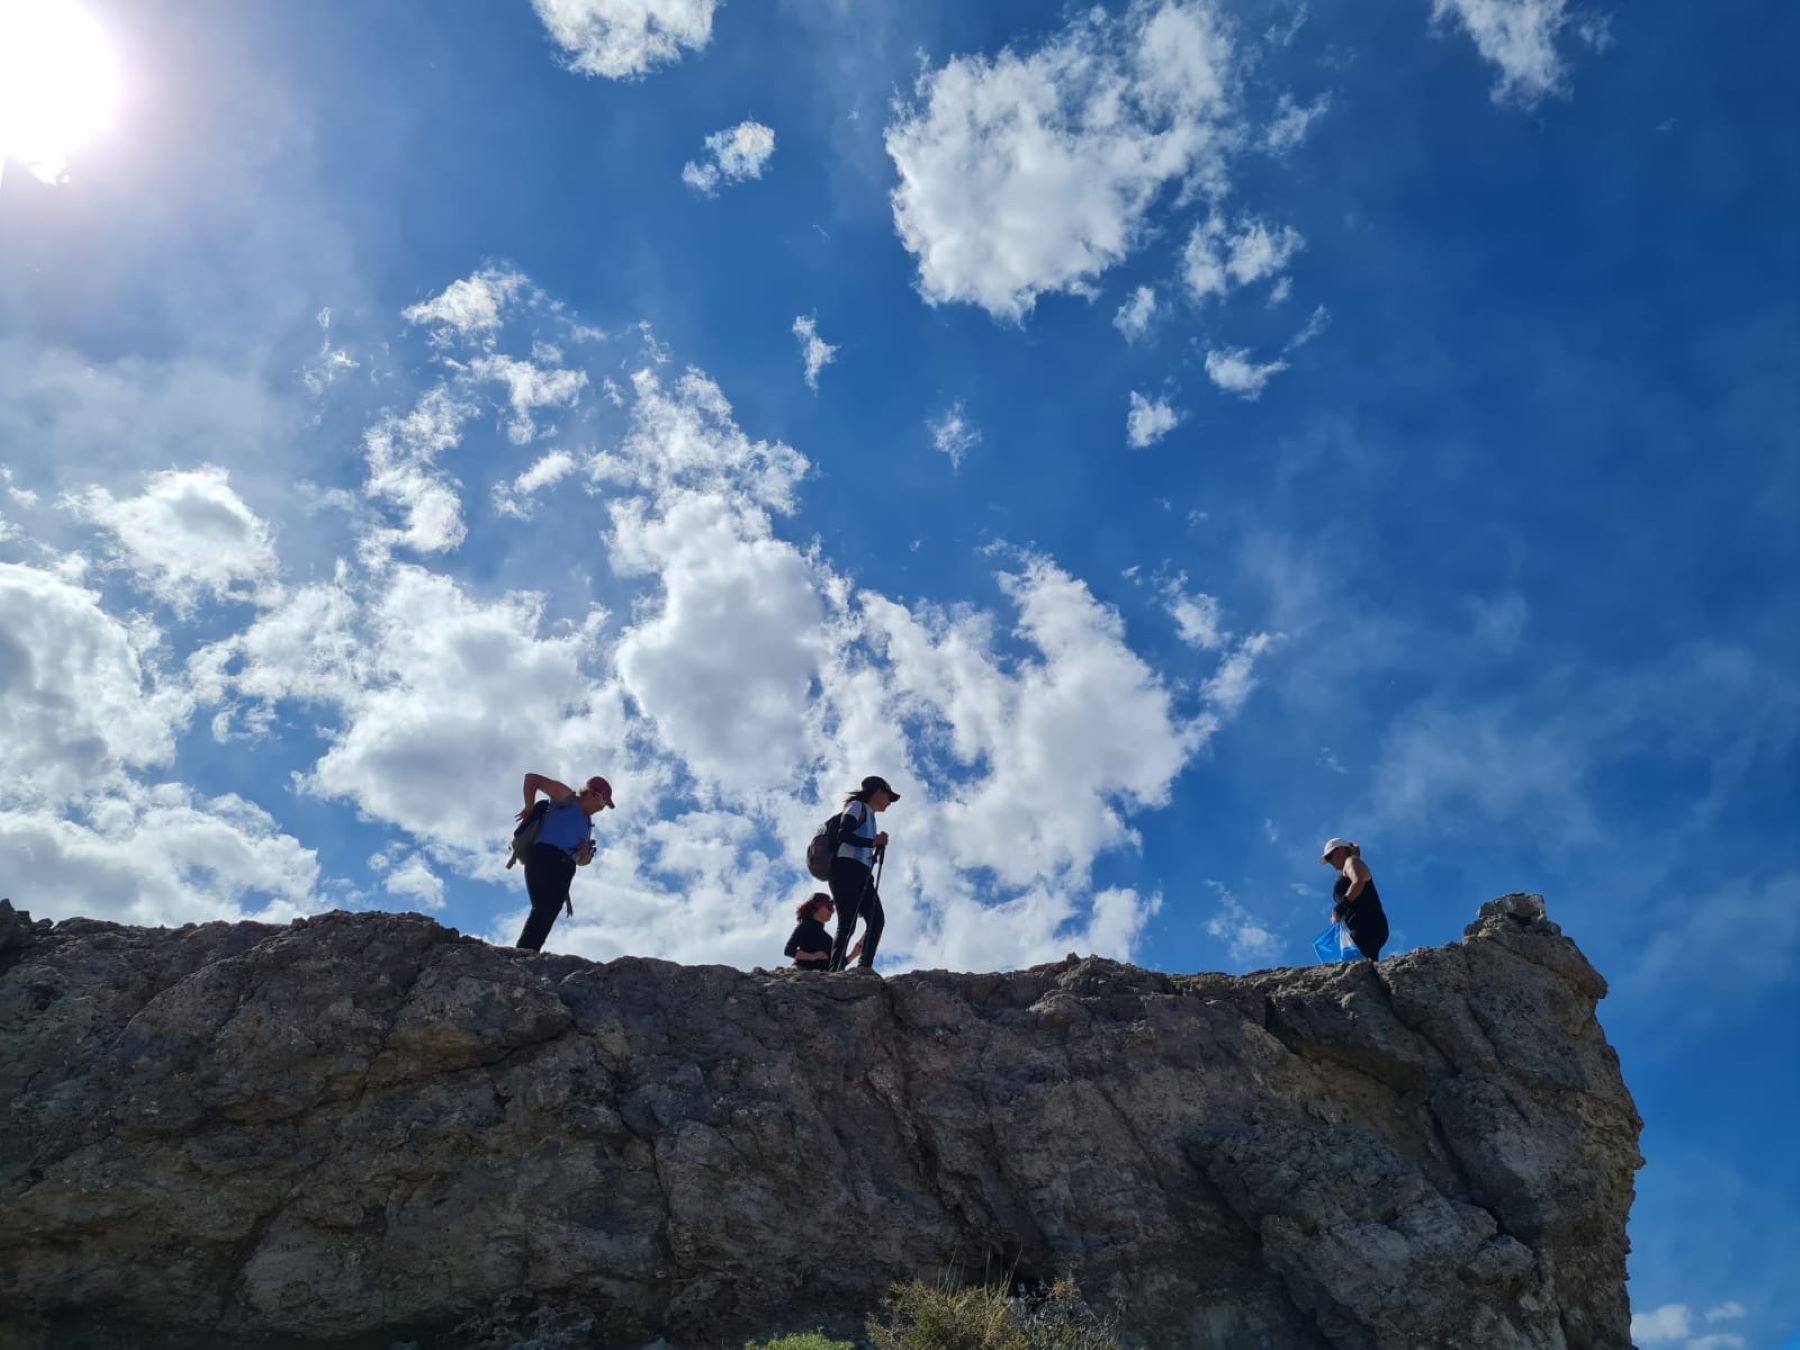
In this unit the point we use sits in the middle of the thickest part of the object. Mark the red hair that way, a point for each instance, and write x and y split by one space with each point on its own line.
811 903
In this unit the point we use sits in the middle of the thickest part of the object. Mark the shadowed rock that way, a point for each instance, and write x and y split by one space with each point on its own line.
364 1128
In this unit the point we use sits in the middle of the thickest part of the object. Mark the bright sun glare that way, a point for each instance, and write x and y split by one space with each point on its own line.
58 83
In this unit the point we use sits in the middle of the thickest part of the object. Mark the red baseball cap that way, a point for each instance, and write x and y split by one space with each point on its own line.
600 785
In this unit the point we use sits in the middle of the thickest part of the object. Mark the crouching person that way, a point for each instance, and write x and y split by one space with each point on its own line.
565 841
810 946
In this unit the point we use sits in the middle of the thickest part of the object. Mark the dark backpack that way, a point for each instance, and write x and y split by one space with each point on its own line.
824 847
527 833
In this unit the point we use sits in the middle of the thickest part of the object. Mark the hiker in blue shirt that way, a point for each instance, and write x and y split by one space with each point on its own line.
1355 902
565 841
852 872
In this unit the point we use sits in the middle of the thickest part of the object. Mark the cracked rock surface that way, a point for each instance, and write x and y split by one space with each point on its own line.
366 1129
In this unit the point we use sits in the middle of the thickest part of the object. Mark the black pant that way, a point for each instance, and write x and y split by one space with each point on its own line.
853 892
1368 927
548 872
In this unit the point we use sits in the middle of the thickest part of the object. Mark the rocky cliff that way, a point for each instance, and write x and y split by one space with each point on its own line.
364 1129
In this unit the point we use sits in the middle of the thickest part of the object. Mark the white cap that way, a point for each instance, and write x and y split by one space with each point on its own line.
1332 846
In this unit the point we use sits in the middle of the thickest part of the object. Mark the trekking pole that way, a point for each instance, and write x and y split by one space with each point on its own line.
880 858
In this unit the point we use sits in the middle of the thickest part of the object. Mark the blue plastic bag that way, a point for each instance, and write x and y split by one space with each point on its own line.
1335 945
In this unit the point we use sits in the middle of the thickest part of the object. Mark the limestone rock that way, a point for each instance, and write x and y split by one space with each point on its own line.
369 1130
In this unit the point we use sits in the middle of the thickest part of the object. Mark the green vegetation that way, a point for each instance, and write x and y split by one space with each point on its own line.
986 1317
806 1340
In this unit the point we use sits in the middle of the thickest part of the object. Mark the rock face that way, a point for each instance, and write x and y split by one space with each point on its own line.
366 1129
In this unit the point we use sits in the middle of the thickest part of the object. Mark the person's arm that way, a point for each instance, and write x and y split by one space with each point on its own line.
1358 872
585 854
536 783
793 943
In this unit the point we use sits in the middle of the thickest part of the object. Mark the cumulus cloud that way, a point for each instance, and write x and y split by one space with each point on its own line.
159 855
1517 36
1026 175
737 153
80 700
624 39
471 307
1219 259
744 683
954 435
1134 316
814 350
413 879
1233 370
1148 421
187 534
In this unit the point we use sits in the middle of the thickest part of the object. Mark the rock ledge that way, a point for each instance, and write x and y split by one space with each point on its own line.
364 1129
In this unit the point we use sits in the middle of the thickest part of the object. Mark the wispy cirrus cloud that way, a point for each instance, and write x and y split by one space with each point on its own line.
954 435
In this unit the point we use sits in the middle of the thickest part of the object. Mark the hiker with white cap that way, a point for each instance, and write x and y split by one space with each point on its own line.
1355 902
555 836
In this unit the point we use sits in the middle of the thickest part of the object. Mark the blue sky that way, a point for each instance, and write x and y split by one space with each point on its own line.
1237 423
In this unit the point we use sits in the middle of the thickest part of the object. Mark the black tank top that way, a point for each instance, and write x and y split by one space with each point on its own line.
1368 901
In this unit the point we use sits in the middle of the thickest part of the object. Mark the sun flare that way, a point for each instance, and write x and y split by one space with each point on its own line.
58 83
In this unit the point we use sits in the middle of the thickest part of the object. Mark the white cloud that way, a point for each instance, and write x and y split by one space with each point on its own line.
1245 938
1197 616
158 855
1233 371
1148 422
954 435
1029 175
79 698
186 534
814 350
331 361
1134 316
1292 122
414 880
514 498
1316 323
529 387
1728 1311
1218 260
622 39
1518 36
723 662
738 153
1232 684
470 307
1671 1322
402 454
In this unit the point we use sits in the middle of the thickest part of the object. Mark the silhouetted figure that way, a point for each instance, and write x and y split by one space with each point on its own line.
565 841
810 945
852 871
1355 902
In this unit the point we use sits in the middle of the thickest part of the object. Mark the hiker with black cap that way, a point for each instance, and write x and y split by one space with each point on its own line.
810 945
564 841
852 871
1355 902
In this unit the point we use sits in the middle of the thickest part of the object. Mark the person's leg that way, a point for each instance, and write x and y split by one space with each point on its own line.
847 880
1369 935
548 872
873 922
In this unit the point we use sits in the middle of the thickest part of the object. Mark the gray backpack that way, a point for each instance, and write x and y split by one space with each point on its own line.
527 833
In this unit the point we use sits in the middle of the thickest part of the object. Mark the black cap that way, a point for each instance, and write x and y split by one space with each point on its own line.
875 783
